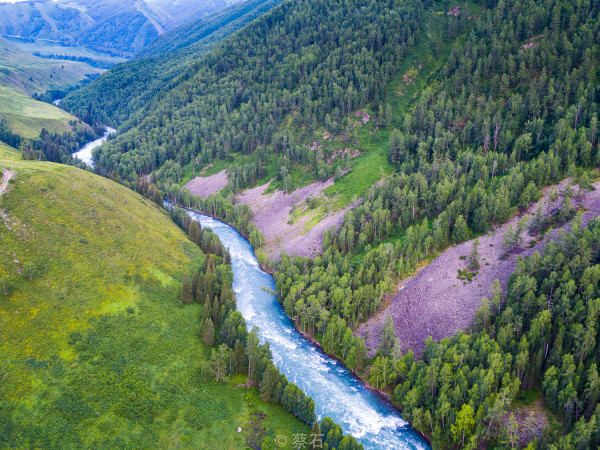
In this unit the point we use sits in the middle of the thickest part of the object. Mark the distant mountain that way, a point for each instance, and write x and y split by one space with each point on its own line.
198 36
162 63
121 27
29 74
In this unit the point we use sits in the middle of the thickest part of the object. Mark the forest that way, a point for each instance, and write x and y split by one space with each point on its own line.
513 108
233 100
52 146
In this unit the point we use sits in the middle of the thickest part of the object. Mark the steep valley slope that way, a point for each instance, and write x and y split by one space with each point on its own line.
95 350
436 303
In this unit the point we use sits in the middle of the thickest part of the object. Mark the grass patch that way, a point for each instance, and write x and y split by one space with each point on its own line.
46 48
466 275
29 74
527 397
26 116
366 171
7 153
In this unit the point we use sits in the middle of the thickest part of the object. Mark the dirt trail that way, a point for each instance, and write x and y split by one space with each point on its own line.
271 213
5 179
435 303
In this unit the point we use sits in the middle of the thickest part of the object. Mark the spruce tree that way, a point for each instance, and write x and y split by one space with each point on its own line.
216 308
508 241
388 338
316 439
195 279
268 383
208 333
186 291
474 256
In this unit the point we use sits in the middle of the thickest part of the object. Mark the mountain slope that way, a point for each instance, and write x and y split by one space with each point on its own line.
27 117
95 350
30 74
117 26
199 36
317 60
503 101
141 80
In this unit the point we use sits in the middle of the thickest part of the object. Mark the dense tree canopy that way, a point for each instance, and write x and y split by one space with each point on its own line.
316 59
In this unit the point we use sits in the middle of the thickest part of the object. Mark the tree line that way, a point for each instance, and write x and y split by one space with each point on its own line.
51 146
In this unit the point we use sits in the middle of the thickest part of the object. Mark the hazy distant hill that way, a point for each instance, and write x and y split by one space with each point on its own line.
158 65
27 73
118 26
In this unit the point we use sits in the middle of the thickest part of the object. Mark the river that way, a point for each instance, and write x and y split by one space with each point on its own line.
335 390
85 152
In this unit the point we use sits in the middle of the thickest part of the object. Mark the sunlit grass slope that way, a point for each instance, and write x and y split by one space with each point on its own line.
26 117
29 74
95 350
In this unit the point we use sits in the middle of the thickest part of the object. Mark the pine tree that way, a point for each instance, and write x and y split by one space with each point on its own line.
388 337
252 351
461 230
316 438
268 383
474 256
464 423
216 308
208 333
537 222
508 241
186 291
206 313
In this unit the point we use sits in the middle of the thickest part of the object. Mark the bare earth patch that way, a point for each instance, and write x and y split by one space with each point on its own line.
204 186
435 303
271 213
532 421
7 175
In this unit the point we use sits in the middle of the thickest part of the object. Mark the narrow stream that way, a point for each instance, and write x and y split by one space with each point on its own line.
336 392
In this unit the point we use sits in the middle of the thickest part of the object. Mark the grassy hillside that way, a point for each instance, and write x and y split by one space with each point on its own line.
45 49
94 348
26 116
30 74
7 152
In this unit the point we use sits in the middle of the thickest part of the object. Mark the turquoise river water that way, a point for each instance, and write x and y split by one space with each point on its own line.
335 390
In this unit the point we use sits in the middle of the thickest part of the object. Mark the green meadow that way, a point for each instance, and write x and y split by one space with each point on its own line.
29 74
26 116
95 348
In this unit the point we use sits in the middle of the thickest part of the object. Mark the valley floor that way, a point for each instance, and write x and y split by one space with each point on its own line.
287 221
436 303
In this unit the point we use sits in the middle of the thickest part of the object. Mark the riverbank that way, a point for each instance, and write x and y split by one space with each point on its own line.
383 395
337 392
85 153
